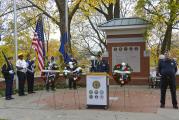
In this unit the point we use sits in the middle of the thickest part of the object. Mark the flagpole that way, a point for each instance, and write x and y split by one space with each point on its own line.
15 37
66 19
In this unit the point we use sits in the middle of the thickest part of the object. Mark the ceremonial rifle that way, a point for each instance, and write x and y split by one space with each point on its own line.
8 64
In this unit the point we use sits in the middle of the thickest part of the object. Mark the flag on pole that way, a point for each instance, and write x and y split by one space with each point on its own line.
38 43
64 48
40 32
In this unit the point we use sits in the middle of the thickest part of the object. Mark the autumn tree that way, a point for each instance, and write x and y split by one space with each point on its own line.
97 12
163 13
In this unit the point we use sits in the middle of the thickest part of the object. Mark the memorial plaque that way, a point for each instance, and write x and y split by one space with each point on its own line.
127 54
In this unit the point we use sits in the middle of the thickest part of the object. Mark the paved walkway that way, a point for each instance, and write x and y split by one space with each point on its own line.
126 103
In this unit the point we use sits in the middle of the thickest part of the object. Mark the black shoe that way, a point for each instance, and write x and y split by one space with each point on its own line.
11 98
162 106
22 94
175 106
8 98
30 92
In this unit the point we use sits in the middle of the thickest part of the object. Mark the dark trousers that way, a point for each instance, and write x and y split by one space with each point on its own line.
165 81
72 82
50 82
30 82
9 86
21 82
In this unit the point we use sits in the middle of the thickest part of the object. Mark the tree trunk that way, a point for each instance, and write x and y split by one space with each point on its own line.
167 39
61 8
109 16
117 9
168 34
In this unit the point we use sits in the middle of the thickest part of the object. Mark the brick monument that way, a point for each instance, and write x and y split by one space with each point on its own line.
126 43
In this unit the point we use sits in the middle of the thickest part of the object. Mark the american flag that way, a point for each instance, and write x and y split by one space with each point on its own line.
38 43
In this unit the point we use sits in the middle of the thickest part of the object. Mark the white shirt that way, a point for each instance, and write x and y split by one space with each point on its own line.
23 64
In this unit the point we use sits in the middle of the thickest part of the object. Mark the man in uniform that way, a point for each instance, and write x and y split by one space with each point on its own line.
102 65
8 73
167 69
51 76
71 66
93 64
21 66
30 73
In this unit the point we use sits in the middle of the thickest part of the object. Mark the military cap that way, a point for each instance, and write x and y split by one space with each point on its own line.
20 55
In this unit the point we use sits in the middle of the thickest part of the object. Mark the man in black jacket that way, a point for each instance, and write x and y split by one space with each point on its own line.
8 73
102 65
167 69
30 73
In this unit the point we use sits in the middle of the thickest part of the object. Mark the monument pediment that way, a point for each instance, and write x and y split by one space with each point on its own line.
123 23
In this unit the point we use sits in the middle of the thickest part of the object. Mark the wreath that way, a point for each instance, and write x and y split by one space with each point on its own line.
122 73
71 70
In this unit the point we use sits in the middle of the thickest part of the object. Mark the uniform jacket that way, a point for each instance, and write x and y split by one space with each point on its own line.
5 71
21 65
30 66
102 66
93 66
167 67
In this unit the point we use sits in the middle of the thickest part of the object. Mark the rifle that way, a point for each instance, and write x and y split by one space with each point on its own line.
8 64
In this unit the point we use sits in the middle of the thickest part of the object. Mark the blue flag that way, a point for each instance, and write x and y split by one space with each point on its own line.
64 48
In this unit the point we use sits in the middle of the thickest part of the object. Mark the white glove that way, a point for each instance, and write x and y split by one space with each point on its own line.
75 78
24 67
11 72
34 58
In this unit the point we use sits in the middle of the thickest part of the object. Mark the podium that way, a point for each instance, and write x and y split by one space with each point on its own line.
97 90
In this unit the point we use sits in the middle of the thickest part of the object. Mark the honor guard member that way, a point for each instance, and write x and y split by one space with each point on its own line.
74 61
93 64
30 73
21 66
50 82
71 66
8 73
167 70
102 65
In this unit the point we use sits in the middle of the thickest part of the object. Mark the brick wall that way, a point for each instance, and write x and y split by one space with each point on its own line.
137 77
82 81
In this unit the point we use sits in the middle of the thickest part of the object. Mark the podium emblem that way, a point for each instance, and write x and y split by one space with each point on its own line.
96 91
96 84
90 91
91 96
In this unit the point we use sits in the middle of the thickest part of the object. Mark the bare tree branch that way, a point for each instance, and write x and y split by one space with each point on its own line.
44 12
74 10
96 31
24 7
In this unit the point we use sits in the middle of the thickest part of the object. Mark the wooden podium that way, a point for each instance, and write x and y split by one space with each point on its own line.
97 90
